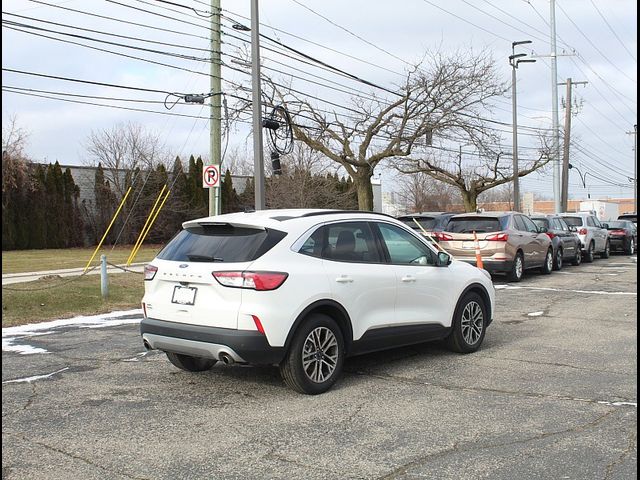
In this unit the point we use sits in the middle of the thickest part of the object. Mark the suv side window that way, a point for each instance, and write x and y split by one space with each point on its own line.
348 242
404 248
529 225
590 222
518 223
597 222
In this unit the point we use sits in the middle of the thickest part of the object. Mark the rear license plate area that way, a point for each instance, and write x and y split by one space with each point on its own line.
184 295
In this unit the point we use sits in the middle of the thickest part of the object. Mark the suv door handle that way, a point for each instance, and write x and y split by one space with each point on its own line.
344 279
408 279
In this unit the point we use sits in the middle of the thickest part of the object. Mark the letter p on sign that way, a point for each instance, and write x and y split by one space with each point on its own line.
211 176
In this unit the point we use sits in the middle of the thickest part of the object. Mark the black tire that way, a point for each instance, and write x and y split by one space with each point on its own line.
577 258
547 266
189 363
589 253
469 324
557 263
630 248
322 333
517 269
606 253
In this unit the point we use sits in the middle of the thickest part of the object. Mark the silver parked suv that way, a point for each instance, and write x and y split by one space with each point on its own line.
594 235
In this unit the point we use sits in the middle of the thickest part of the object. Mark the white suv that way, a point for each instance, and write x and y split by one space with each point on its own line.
304 289
593 235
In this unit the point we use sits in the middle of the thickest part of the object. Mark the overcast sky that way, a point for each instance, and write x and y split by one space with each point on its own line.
373 39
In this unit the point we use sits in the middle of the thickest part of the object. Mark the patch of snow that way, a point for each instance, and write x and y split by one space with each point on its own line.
535 314
11 335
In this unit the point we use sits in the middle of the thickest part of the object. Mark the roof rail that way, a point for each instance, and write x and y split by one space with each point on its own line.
342 212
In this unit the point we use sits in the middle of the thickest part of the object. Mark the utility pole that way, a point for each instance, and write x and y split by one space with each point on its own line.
564 199
258 160
215 126
635 166
514 60
554 110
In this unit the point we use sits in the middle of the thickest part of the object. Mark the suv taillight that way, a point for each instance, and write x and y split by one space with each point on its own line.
498 237
551 235
582 231
260 281
150 272
442 236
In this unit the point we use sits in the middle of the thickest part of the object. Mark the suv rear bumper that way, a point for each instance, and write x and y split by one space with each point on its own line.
244 346
491 266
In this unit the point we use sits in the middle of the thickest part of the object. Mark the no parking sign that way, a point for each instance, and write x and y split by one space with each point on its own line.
211 176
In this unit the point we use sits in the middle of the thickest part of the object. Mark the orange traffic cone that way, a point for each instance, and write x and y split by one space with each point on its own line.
479 263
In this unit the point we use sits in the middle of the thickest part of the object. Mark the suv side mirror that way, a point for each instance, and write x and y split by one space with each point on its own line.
443 259
572 228
543 229
605 225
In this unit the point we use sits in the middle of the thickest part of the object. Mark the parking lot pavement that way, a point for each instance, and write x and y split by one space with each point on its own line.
551 394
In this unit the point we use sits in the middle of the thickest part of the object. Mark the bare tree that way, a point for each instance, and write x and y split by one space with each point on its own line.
447 94
14 163
308 180
419 192
125 148
492 169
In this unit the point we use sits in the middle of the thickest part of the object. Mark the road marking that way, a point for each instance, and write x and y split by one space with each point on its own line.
35 377
620 404
548 289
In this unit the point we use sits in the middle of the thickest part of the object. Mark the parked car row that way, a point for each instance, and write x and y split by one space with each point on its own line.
510 242
305 289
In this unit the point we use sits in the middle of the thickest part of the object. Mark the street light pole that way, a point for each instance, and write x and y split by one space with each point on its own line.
583 178
635 166
514 60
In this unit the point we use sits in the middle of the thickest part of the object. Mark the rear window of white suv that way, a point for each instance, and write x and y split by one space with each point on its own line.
220 243
573 221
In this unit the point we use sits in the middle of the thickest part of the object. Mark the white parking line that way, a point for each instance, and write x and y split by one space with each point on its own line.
35 377
548 289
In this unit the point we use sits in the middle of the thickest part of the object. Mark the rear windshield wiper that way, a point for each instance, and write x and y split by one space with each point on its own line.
204 258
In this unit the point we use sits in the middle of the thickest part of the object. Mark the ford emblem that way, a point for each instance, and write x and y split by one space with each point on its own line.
183 265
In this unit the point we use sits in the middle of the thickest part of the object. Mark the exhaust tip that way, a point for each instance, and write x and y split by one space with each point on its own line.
146 345
226 358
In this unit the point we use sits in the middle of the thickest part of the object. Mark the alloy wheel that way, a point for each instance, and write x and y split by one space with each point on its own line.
320 354
472 322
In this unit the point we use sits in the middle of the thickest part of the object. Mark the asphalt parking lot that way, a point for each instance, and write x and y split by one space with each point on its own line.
551 394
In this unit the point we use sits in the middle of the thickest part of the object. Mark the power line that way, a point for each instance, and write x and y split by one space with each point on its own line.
612 30
467 21
133 57
595 47
108 34
351 33
119 20
106 42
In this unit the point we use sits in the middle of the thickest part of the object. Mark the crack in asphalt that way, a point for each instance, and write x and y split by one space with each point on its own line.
458 447
75 457
410 381
630 448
